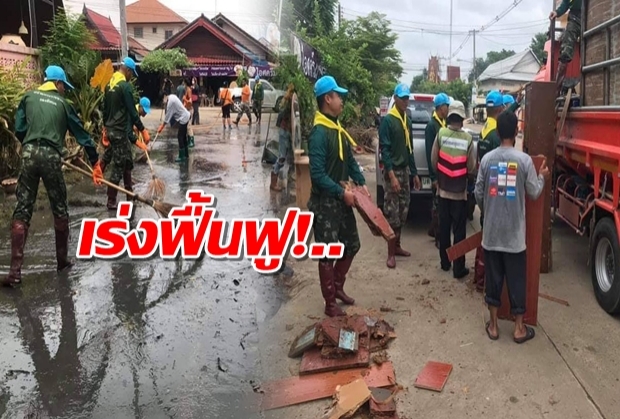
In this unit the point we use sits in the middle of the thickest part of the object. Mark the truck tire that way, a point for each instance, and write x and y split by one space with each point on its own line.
380 197
605 265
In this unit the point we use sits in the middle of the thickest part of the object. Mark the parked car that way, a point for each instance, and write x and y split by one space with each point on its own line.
272 99
420 111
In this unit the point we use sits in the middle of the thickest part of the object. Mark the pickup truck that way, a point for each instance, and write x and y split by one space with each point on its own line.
420 112
272 99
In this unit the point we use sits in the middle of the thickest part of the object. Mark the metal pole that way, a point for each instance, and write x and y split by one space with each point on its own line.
34 37
451 4
124 48
280 15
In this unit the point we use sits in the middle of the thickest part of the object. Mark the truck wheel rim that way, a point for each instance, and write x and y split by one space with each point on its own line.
605 265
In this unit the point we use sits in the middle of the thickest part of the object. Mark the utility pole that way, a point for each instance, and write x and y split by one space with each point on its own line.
474 62
124 49
280 16
451 4
34 37
339 15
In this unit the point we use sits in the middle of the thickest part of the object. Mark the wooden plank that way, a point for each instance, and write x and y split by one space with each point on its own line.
313 362
296 390
463 247
370 213
533 240
303 185
539 139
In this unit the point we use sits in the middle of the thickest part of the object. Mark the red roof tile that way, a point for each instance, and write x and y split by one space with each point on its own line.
107 36
151 11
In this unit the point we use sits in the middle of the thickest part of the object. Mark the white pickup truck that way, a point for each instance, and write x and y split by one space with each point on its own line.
272 98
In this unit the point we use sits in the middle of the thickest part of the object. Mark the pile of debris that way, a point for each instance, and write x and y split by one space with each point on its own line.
336 356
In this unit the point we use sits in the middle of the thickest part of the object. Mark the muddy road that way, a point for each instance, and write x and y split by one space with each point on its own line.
143 339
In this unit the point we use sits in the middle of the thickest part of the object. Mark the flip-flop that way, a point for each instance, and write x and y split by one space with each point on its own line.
489 333
529 334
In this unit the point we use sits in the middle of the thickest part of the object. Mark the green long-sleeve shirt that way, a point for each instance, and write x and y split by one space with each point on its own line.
119 108
326 168
513 108
489 138
573 5
44 114
395 154
259 92
430 133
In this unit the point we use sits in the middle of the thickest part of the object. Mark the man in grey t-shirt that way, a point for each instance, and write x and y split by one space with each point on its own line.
505 176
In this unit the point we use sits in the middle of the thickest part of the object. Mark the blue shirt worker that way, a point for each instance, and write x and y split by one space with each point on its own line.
398 165
330 150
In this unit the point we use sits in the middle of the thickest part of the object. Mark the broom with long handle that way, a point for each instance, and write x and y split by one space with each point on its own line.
157 187
162 208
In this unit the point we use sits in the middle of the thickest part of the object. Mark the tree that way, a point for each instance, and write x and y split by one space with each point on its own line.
538 46
373 38
165 60
418 80
492 57
457 89
316 17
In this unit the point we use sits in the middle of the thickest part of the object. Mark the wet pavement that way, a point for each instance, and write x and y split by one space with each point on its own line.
143 339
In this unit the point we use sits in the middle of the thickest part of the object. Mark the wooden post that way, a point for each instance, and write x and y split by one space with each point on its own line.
539 139
533 241
303 185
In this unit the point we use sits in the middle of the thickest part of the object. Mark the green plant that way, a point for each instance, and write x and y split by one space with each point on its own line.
287 72
165 60
14 83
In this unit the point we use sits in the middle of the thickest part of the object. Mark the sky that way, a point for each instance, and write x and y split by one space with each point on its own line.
423 26
415 20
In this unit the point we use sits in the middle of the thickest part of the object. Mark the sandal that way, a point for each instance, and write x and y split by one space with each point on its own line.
489 333
529 334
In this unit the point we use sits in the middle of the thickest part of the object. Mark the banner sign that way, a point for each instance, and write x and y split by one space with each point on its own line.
309 59
229 71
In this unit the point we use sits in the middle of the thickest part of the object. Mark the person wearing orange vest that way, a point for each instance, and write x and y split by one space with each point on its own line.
227 103
453 157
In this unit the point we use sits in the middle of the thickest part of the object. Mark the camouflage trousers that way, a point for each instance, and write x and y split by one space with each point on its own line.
334 222
570 38
40 161
396 204
119 155
258 108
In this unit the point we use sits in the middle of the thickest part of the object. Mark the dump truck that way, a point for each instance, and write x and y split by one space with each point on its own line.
586 174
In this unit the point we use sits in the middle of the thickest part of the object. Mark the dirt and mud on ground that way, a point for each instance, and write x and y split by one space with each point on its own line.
194 339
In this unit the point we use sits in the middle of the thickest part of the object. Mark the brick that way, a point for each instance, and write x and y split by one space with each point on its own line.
371 214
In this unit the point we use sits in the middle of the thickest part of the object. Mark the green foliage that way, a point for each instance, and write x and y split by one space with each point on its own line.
244 76
14 83
457 88
538 46
316 17
375 41
165 60
492 57
418 80
288 72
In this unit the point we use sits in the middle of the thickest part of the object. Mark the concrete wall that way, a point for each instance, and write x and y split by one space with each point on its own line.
149 39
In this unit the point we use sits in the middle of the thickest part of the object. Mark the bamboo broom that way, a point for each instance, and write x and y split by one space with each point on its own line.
156 188
162 208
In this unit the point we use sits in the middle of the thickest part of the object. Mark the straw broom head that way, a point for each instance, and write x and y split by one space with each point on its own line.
156 189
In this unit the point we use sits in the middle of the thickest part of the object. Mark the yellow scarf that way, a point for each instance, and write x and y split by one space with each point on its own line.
48 86
320 119
438 119
488 127
394 112
116 79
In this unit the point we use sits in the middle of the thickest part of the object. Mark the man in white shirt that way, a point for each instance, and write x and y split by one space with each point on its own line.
175 111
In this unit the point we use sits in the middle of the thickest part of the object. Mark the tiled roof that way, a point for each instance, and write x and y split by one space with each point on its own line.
151 11
108 37
510 68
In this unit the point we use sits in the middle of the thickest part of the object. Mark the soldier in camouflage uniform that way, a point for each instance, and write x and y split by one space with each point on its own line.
571 35
41 123
398 165
332 162
119 115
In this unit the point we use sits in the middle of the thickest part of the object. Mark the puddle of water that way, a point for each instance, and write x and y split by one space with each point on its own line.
141 339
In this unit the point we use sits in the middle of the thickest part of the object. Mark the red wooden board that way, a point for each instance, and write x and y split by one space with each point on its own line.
533 240
433 376
295 390
330 327
312 361
371 214
463 247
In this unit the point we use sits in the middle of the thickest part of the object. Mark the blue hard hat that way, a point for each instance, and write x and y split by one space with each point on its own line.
494 99
441 99
130 64
146 104
327 84
257 77
55 73
402 91
508 100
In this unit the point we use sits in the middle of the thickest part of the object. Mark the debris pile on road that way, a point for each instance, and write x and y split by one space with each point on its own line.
336 355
